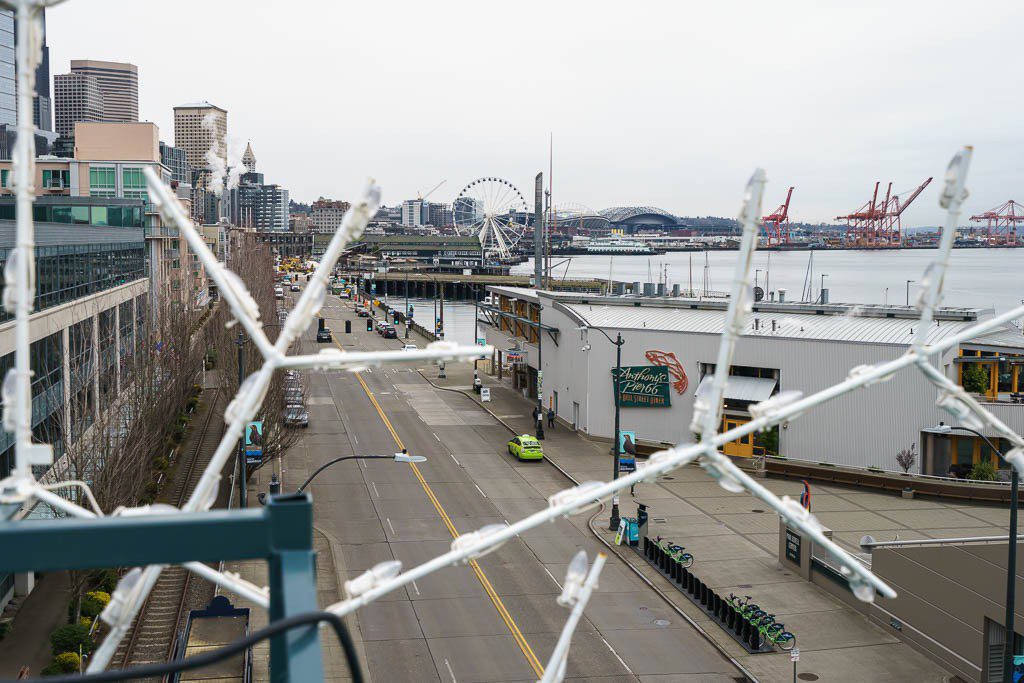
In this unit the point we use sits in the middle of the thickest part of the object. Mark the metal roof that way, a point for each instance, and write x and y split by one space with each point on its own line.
1009 337
740 388
788 325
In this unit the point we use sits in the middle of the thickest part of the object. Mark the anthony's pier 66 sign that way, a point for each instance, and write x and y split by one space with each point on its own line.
644 386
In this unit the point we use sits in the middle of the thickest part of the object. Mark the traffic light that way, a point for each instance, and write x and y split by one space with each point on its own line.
369 325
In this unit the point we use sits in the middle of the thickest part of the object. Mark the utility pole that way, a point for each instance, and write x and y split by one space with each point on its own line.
540 377
538 232
407 320
614 522
242 473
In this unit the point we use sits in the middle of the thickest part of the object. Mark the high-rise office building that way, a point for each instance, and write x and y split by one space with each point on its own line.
119 86
249 158
42 108
8 82
78 99
42 104
198 127
174 159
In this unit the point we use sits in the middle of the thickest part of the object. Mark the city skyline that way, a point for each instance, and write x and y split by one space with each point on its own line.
673 107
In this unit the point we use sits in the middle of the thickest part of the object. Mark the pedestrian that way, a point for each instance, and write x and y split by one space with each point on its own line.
551 418
533 415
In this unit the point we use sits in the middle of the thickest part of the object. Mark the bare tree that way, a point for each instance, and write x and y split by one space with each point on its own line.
254 263
120 442
907 457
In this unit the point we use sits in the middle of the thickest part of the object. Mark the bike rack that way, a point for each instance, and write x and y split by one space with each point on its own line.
714 605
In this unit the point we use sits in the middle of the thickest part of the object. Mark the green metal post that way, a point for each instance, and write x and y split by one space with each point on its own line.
295 655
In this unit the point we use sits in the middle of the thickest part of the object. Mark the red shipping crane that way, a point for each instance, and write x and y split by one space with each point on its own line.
1001 222
776 224
877 224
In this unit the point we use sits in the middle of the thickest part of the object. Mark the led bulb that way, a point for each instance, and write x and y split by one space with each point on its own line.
579 498
372 578
480 538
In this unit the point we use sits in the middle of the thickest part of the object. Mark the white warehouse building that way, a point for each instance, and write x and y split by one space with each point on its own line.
670 347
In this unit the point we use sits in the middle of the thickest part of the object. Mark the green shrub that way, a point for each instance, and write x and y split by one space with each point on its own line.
192 403
68 638
85 621
983 471
975 378
93 603
64 663
161 463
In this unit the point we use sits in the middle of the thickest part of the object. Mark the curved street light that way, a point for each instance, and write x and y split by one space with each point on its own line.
402 456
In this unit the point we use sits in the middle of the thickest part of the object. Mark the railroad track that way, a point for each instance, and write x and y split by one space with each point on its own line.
152 635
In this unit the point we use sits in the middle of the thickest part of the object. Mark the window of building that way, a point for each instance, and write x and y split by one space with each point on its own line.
5 176
54 179
102 182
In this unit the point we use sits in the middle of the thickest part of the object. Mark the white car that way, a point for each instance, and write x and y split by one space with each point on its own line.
410 347
278 292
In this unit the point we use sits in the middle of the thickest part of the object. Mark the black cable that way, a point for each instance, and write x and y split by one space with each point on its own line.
207 658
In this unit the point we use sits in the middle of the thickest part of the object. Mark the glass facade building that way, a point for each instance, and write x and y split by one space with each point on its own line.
106 211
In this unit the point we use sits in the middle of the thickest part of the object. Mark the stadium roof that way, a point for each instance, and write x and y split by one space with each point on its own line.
618 214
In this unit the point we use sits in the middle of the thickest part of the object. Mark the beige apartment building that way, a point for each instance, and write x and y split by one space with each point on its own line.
110 160
199 127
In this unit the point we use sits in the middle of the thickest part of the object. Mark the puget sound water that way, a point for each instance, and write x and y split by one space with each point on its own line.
978 278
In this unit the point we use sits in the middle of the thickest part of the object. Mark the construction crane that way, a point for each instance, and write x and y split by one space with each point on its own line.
1001 223
876 225
421 196
776 224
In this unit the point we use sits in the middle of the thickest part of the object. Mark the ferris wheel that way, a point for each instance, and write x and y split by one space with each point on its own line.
494 211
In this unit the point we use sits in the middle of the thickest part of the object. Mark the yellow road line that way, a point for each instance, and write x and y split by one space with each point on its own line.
517 635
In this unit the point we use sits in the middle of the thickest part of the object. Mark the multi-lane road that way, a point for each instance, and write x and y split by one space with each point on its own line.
492 620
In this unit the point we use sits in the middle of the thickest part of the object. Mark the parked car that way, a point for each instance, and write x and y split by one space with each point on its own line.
323 335
410 347
526 447
293 395
278 293
295 287
296 416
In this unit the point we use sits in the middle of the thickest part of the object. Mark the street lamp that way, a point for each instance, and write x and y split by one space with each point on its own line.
402 456
613 523
821 293
908 290
1011 557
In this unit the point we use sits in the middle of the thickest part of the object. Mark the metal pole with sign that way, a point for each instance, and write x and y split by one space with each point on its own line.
794 656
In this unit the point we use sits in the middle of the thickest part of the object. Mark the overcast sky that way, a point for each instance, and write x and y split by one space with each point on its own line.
669 104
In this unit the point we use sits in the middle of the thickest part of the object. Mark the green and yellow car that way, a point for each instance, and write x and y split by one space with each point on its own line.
525 447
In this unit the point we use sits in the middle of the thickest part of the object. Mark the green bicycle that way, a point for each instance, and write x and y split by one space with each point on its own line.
676 552
776 634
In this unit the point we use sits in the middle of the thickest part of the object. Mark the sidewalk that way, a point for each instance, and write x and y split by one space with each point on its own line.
735 543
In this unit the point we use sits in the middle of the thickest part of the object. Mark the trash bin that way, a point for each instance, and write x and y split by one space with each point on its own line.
477 384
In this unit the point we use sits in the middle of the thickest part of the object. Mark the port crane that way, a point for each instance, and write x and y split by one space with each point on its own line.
876 224
1001 223
776 224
